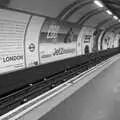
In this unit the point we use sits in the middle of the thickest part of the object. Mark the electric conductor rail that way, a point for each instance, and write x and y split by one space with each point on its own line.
43 85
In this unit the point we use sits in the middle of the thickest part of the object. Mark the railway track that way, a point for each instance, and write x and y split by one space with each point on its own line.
45 84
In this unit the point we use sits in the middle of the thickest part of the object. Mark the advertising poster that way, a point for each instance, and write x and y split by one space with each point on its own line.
108 41
12 33
85 41
96 35
100 41
57 41
79 42
31 41
116 40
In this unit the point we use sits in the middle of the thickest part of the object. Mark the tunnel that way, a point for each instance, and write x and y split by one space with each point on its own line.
59 59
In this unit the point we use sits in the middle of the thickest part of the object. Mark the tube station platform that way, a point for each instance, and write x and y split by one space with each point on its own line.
92 95
97 100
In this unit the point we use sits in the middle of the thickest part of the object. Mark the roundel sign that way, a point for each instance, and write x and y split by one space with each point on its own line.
32 47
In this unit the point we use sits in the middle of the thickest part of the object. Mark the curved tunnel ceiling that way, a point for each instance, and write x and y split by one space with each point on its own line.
97 21
82 12
113 5
89 15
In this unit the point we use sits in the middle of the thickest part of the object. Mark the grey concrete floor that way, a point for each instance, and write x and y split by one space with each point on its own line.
98 100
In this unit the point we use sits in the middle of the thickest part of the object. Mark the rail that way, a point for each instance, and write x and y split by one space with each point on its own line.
33 90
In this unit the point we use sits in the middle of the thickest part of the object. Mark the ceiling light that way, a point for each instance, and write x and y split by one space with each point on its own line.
109 12
98 3
115 17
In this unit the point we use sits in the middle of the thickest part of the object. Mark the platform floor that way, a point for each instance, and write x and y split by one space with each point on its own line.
98 100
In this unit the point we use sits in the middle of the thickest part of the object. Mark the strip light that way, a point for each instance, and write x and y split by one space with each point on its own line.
115 17
98 3
109 12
